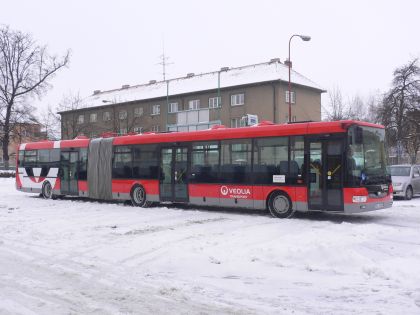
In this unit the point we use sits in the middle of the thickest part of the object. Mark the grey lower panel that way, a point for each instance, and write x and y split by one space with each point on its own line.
233 202
300 206
83 193
126 196
228 202
121 196
32 190
260 204
200 201
355 208
154 198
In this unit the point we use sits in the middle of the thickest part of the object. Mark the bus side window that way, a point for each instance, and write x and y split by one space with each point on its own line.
55 158
30 158
270 158
235 165
297 156
121 166
82 172
205 162
43 158
21 157
145 161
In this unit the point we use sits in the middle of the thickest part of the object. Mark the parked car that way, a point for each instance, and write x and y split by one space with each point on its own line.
405 180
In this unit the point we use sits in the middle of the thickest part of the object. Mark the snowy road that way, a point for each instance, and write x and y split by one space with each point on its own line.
83 257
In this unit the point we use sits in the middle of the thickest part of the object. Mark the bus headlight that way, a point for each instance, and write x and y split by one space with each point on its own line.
359 199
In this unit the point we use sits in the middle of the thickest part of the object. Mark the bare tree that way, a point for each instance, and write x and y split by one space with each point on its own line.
412 137
67 116
399 107
357 108
50 121
26 70
336 109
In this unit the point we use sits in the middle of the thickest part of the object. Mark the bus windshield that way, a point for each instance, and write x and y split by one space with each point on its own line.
366 160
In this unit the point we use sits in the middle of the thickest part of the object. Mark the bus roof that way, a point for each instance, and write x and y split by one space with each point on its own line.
216 133
262 130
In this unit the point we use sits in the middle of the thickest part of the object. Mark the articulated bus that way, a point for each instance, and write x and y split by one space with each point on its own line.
323 166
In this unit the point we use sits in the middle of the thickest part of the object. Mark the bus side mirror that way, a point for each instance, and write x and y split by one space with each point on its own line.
358 135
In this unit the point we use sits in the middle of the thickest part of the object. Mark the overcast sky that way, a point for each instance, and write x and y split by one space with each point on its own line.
355 44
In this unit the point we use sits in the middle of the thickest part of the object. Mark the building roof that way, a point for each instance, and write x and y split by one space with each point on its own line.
229 77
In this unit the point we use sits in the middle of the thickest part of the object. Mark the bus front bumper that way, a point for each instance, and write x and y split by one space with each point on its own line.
364 207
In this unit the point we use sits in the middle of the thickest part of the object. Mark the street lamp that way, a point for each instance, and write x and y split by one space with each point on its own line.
306 39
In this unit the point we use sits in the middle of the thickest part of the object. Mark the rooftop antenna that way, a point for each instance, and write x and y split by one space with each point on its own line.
164 60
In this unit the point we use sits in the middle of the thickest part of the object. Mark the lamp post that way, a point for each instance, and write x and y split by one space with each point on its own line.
304 38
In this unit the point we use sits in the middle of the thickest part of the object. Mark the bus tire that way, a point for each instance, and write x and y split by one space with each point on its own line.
280 205
408 193
47 190
138 197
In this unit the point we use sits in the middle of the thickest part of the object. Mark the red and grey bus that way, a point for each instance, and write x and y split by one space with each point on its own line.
323 166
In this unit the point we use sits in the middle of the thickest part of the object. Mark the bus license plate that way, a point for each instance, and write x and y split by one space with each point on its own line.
379 205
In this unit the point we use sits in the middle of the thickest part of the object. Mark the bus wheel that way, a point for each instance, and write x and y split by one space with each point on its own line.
47 190
280 205
138 197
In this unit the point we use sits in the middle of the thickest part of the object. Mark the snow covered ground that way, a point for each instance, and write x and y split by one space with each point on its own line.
84 257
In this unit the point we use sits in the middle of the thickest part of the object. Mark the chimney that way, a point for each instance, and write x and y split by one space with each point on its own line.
287 62
224 68
273 60
96 92
152 81
190 75
125 86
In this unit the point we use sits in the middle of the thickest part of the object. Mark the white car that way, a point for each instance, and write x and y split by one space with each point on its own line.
405 180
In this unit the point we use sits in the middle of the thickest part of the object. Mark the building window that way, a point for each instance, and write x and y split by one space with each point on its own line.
155 109
193 104
235 123
106 116
215 102
155 128
137 129
172 107
293 97
293 118
122 114
93 117
138 111
237 99
122 131
80 119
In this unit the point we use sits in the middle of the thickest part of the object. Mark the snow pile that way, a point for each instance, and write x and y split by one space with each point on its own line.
78 256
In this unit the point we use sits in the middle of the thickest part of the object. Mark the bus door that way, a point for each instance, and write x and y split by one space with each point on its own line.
173 183
68 173
325 174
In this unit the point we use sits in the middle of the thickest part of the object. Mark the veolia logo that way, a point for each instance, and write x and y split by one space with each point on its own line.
224 190
234 191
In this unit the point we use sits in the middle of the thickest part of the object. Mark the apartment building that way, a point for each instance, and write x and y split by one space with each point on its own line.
197 101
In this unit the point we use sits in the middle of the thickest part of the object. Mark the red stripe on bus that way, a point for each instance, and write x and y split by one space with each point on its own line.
124 186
